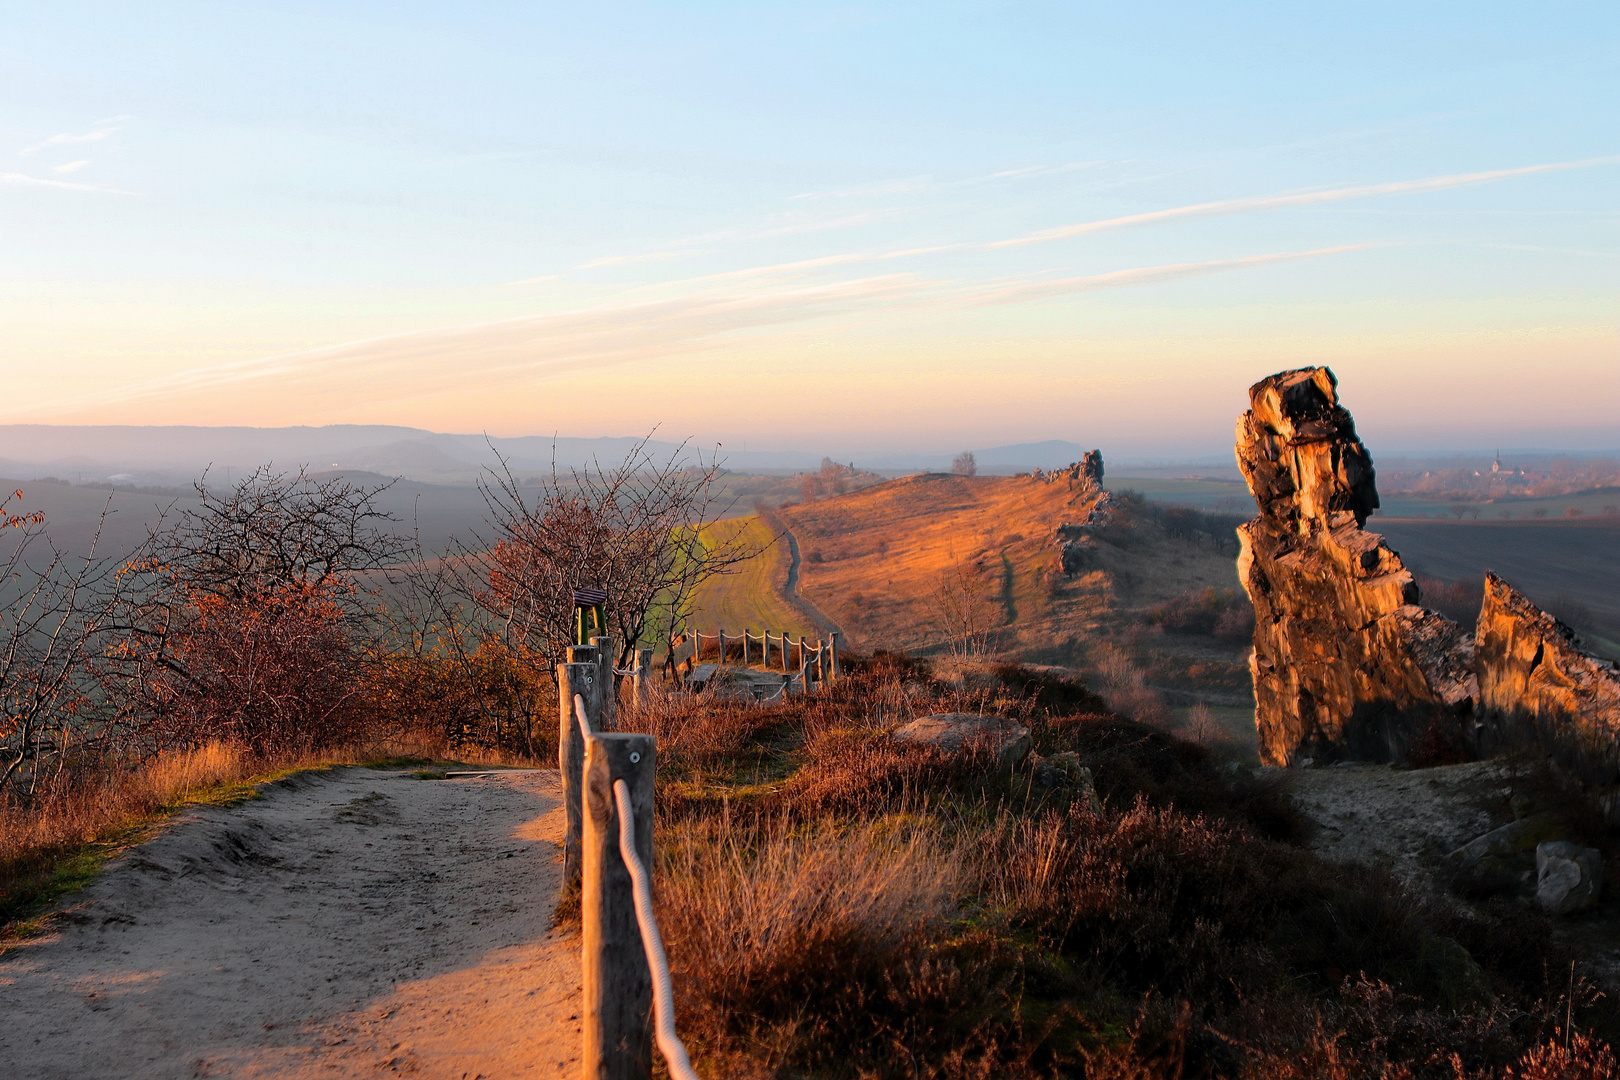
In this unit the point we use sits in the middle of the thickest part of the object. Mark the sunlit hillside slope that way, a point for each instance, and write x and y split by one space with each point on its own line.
875 561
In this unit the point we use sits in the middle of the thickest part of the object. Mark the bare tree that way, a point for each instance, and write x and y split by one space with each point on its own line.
964 608
635 530
244 617
965 465
50 616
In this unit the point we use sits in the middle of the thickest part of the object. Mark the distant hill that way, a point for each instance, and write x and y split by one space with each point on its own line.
178 454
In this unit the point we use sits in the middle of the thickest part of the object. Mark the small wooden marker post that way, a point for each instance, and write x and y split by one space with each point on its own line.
606 655
721 659
832 654
642 686
821 661
765 656
617 982
578 678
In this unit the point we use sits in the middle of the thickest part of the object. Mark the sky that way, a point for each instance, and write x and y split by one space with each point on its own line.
858 227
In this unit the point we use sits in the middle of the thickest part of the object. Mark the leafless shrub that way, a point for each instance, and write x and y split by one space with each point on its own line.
51 613
634 530
964 608
965 464
244 618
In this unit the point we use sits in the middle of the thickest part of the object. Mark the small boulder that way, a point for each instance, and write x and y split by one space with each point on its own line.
954 732
1065 771
1568 876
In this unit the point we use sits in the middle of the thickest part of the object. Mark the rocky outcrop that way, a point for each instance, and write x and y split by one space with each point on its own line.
1346 664
1539 687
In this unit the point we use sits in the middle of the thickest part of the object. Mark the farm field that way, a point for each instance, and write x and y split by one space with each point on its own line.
1579 557
752 598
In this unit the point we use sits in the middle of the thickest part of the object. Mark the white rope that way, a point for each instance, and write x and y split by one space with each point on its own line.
680 1066
579 714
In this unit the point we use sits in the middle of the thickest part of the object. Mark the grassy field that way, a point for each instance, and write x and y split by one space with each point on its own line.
751 598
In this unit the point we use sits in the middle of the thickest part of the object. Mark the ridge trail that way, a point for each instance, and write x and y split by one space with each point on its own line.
353 922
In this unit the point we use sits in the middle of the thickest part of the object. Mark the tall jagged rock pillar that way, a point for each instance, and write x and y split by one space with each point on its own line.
1346 664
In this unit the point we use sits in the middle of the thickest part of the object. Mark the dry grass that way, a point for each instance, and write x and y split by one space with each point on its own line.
869 909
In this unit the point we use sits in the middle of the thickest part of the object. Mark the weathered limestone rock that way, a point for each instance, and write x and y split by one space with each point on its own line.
1538 687
1345 663
954 732
1568 876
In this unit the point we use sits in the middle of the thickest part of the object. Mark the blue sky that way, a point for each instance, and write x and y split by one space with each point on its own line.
861 227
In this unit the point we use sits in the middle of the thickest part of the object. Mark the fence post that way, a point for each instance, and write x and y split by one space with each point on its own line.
804 670
617 982
832 652
821 661
642 687
745 646
765 659
607 656
575 678
721 659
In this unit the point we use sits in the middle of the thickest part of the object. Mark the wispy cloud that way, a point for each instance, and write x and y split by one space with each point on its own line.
523 350
70 166
1142 275
542 279
104 130
24 180
1277 202
511 353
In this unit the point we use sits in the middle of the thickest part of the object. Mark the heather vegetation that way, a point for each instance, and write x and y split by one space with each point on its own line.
839 903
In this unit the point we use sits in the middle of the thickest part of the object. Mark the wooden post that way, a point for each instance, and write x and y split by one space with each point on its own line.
617 982
745 646
804 671
607 656
832 651
722 657
765 658
642 689
821 660
575 678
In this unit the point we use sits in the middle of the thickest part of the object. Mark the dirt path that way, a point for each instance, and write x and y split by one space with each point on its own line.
352 923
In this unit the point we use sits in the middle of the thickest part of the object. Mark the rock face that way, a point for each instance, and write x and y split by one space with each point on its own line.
955 732
1538 687
1345 664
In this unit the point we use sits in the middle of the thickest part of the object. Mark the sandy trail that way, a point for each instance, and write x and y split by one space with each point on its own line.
351 923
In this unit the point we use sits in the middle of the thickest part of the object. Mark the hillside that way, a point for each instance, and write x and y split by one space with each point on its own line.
875 561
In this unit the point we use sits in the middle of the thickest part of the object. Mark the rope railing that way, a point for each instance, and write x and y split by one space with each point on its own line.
669 1044
652 942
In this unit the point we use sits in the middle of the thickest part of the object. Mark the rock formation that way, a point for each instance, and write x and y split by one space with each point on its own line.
1538 687
1345 663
